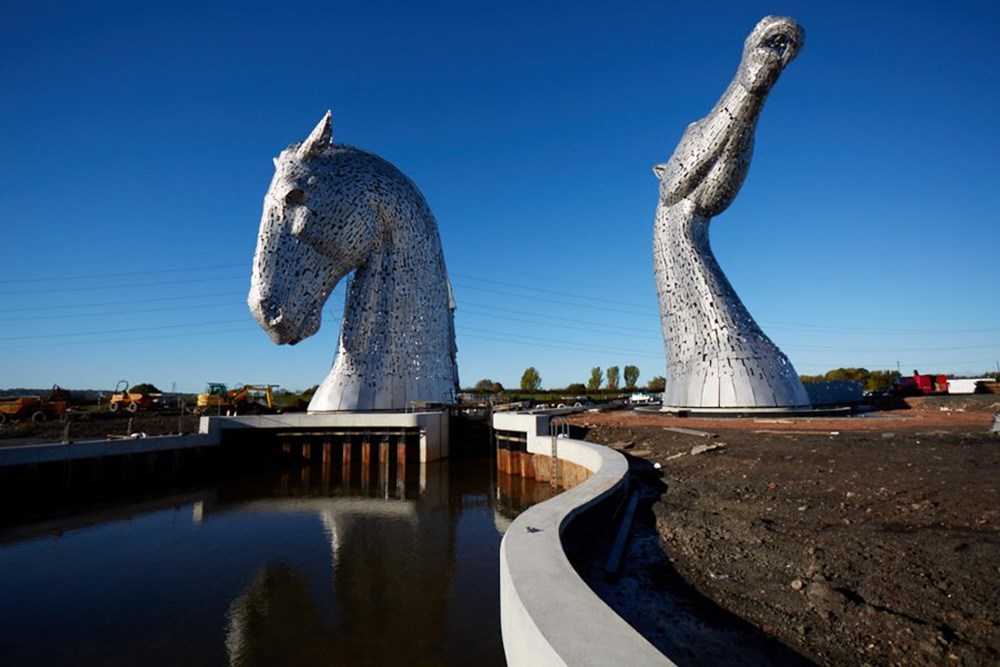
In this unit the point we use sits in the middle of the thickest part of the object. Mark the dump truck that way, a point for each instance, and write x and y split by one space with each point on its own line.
218 398
123 399
36 408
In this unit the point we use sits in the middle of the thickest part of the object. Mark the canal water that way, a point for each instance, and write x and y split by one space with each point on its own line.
278 569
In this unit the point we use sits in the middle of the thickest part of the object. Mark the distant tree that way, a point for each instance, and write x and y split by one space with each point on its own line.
531 380
870 380
144 388
613 374
487 386
596 377
306 396
631 377
851 374
657 384
576 388
881 380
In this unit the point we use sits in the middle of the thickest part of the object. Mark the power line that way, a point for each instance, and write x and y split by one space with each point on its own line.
832 328
549 342
547 316
118 331
588 350
125 312
119 274
131 339
128 285
893 350
183 297
560 323
514 291
589 298
533 288
557 301
194 253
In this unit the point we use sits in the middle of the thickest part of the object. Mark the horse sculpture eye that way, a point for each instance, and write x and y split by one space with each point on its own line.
295 197
778 43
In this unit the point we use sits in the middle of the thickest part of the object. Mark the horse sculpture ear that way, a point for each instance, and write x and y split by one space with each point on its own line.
319 138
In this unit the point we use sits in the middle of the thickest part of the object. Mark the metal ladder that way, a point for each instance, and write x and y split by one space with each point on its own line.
557 426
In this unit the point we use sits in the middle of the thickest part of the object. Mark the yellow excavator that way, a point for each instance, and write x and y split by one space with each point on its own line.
253 399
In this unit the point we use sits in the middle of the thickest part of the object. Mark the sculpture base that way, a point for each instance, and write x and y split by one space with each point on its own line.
433 426
762 412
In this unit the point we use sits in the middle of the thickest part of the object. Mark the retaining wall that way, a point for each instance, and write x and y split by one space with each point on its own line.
548 614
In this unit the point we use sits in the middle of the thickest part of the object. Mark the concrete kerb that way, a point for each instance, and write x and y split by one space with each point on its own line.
93 449
548 614
433 428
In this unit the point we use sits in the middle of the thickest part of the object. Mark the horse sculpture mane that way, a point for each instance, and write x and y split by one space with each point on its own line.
332 209
717 356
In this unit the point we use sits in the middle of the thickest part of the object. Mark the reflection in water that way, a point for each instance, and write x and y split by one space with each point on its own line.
276 623
300 568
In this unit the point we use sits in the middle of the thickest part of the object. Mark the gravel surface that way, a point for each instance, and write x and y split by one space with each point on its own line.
870 540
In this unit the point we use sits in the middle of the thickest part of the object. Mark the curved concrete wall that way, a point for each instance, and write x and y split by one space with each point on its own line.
548 615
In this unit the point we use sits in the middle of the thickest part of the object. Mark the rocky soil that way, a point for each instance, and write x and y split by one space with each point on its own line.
871 540
96 426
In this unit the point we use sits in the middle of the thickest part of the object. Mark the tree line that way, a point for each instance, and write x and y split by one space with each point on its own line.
870 380
600 380
610 380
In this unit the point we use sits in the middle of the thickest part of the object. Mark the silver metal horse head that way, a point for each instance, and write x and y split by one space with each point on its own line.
333 209
309 239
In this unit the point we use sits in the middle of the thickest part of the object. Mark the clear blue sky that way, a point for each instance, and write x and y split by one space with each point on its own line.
137 140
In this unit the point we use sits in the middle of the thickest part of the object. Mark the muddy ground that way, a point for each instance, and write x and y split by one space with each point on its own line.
871 540
97 425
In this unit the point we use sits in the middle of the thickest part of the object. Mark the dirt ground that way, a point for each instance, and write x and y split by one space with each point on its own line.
97 425
867 540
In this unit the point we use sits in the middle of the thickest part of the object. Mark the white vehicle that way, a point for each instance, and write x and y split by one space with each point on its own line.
964 385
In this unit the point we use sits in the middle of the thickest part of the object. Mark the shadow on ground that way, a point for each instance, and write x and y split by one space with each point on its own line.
651 596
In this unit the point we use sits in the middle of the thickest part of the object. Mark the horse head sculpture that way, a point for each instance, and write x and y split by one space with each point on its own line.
332 209
717 355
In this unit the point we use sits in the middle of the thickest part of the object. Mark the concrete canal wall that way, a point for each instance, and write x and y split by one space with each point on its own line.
97 449
524 449
432 428
548 614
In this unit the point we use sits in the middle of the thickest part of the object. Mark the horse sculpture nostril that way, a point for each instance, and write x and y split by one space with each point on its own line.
272 312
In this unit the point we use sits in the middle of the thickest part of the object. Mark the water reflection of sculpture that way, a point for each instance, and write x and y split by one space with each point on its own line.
717 356
392 564
332 209
275 622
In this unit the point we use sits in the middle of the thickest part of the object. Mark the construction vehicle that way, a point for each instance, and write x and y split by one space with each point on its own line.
122 399
919 385
37 408
218 398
